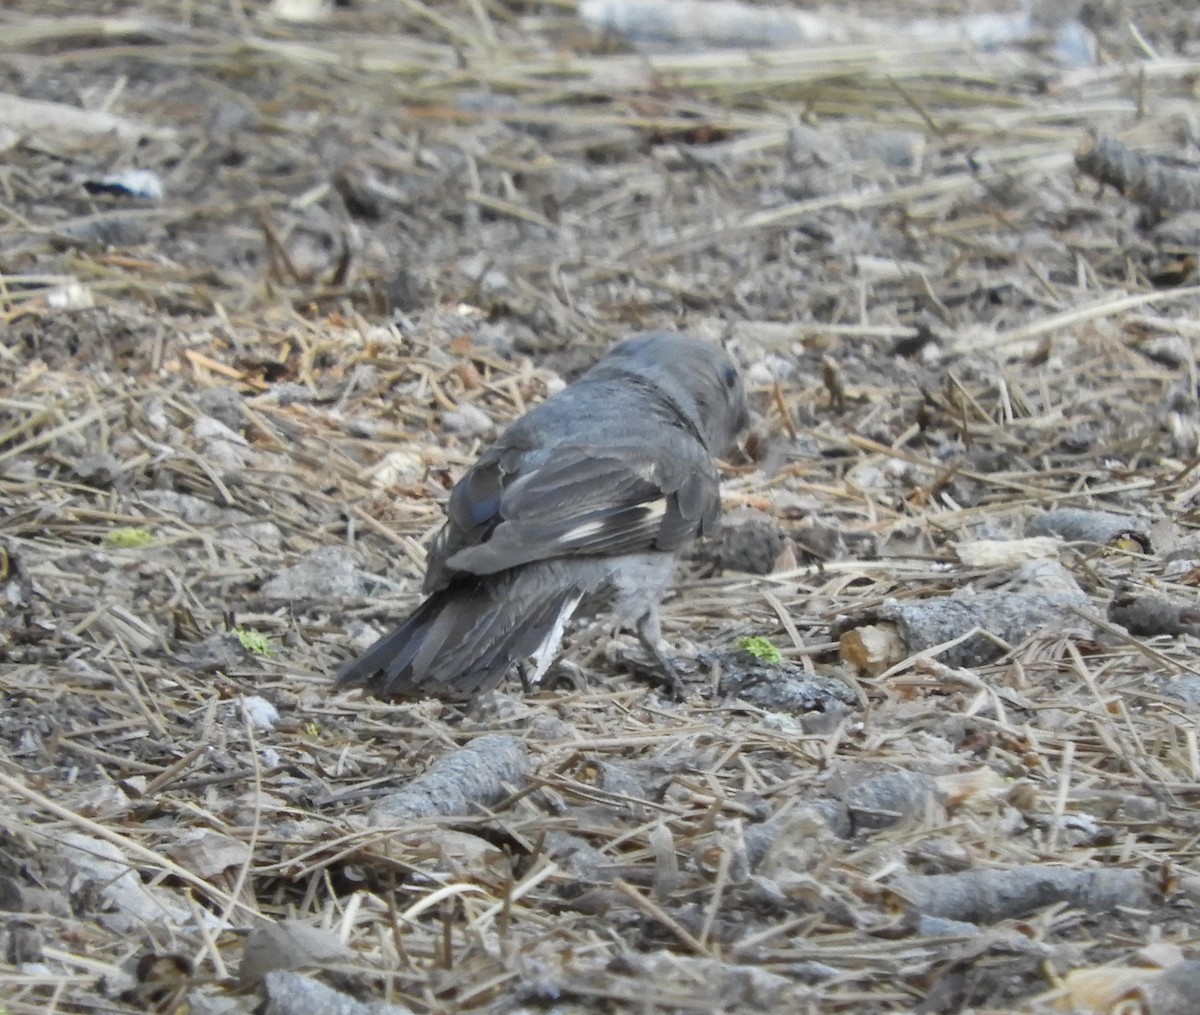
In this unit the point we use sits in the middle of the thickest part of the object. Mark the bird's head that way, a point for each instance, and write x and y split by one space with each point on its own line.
698 378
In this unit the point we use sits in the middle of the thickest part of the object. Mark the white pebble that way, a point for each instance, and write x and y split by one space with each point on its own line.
468 420
261 714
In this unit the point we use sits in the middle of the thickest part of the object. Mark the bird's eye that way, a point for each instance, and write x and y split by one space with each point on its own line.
729 376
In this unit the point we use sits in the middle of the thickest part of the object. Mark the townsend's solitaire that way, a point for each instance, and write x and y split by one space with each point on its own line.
585 499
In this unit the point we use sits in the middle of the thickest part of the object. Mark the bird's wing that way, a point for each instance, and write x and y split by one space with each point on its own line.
576 500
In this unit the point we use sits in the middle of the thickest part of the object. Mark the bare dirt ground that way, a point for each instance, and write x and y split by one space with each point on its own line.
230 413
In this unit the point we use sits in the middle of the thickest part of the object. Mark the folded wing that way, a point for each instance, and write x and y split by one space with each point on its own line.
513 509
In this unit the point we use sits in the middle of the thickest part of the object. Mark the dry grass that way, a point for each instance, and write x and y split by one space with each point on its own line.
416 207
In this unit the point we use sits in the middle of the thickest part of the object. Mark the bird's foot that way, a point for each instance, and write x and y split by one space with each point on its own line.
660 672
663 673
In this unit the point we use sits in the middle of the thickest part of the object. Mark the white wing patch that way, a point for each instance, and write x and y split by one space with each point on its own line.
651 512
546 652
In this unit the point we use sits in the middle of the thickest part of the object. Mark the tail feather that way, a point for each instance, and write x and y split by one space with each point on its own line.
523 641
465 636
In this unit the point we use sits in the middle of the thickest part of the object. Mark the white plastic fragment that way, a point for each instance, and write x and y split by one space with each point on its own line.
259 712
70 296
142 183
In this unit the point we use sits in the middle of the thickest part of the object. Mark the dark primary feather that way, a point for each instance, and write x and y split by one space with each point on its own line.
618 463
474 629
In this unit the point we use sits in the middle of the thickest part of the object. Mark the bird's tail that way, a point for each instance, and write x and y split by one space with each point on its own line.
464 637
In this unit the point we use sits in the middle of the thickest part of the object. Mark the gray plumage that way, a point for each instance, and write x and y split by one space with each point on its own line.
585 499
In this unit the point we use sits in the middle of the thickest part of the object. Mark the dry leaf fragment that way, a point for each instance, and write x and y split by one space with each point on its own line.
289 944
666 863
101 866
1005 553
961 787
1098 990
872 648
207 854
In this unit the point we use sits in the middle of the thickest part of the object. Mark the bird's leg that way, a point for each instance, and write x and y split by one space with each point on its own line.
523 676
649 632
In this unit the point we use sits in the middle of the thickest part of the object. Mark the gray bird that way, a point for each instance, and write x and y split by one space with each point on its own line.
585 499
